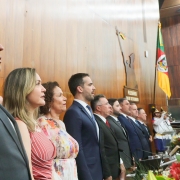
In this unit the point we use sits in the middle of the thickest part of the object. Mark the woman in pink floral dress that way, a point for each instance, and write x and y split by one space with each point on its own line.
66 146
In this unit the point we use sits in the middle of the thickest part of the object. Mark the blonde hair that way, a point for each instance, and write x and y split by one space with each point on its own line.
19 83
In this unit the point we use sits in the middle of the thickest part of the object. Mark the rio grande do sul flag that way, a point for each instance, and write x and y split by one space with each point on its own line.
162 68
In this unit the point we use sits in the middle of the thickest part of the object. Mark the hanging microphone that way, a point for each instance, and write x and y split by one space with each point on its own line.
145 151
121 150
129 157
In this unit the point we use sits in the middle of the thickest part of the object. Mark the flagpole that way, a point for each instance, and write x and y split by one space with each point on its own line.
154 98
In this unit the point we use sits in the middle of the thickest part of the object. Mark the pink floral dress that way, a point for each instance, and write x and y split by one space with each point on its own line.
67 148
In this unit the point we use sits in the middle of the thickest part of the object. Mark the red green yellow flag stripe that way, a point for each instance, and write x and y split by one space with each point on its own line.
162 68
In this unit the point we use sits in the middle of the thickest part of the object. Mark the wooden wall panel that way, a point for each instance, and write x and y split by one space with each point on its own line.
60 38
170 31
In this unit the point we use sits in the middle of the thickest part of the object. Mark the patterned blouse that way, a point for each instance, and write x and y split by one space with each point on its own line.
67 148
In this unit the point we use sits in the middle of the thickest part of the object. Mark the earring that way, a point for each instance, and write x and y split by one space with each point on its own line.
49 109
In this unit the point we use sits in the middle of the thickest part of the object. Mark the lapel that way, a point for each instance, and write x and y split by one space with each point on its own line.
146 132
136 127
109 128
87 114
15 135
119 125
139 125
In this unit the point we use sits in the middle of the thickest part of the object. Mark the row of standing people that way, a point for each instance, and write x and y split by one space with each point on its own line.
24 93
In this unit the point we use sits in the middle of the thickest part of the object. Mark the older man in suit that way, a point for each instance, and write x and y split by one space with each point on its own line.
142 122
108 142
120 132
128 124
14 164
144 142
80 123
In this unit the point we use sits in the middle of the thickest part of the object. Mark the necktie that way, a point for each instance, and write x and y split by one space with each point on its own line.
128 119
107 123
118 122
137 123
121 127
90 111
146 128
94 121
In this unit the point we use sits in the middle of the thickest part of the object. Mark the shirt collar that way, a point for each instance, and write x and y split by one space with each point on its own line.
102 118
124 115
115 118
132 118
141 122
81 102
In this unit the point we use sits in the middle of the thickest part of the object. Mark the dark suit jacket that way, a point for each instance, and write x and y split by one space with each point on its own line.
122 138
137 140
109 145
146 132
13 159
80 125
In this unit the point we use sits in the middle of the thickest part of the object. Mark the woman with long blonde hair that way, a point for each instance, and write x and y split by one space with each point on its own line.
23 95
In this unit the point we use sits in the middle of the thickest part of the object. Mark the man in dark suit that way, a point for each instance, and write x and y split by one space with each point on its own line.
81 125
142 122
144 142
14 163
108 144
130 126
120 133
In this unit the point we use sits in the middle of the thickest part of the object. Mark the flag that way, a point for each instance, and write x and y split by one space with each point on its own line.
162 68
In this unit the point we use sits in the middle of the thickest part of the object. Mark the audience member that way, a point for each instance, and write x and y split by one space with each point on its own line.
120 132
80 123
23 94
146 149
142 122
127 123
108 143
66 146
14 162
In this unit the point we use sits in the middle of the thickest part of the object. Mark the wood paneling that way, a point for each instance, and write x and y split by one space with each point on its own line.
170 31
60 38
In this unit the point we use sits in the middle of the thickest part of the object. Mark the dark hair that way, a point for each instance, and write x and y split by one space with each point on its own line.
49 86
96 100
121 100
75 81
112 101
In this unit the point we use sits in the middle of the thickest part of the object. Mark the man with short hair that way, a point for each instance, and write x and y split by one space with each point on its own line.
81 125
140 131
14 164
131 128
120 133
142 116
108 143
